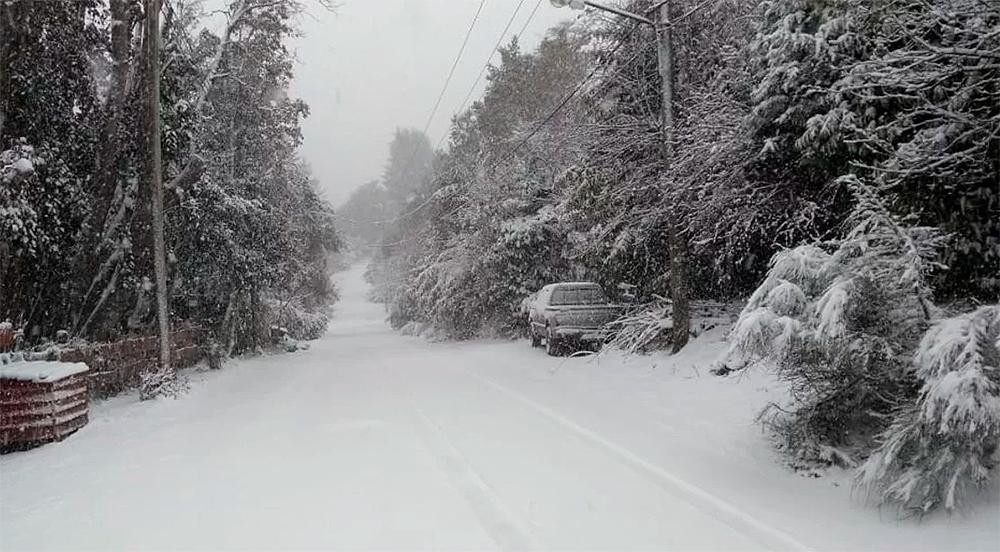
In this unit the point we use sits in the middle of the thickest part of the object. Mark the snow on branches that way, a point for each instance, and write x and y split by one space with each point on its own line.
842 323
825 297
943 446
245 221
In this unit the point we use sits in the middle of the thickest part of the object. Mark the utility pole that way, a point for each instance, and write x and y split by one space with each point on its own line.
676 243
154 171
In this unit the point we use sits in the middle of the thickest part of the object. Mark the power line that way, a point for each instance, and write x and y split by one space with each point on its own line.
454 65
472 89
530 17
521 143
437 104
486 65
565 101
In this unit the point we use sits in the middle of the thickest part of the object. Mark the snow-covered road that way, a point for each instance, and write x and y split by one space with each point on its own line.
373 440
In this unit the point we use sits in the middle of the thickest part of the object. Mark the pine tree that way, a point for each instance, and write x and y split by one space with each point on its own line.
941 448
837 320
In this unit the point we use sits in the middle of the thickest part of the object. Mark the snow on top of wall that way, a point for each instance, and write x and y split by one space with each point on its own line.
41 371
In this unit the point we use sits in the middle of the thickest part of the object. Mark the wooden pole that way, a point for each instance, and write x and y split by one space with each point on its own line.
676 243
155 175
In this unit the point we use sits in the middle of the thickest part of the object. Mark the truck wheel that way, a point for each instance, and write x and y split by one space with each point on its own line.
553 345
536 340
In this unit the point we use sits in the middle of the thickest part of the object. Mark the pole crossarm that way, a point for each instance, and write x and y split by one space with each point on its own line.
621 12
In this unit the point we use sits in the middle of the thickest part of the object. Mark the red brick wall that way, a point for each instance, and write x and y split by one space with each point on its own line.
118 366
6 339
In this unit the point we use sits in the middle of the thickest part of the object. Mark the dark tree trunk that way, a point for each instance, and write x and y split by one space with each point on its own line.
154 175
109 153
676 242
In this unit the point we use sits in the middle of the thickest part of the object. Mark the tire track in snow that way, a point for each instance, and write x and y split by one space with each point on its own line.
498 522
770 537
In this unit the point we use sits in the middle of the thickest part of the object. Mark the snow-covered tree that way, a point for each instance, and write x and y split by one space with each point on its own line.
899 92
482 234
872 366
942 447
922 110
839 320
49 120
75 234
252 231
374 207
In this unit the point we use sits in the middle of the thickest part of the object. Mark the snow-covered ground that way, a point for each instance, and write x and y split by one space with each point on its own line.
373 440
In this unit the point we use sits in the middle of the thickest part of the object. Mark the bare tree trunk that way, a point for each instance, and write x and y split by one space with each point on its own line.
155 175
121 41
676 242
236 13
8 33
107 212
5 32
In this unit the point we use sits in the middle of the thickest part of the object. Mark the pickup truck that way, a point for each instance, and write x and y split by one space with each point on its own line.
569 313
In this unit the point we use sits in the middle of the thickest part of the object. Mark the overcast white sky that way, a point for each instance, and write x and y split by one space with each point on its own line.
377 65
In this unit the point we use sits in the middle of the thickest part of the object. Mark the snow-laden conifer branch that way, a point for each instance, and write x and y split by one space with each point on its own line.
942 448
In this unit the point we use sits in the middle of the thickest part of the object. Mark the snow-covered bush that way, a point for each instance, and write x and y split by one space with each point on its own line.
162 383
39 202
300 321
476 285
943 446
850 326
642 328
527 255
838 320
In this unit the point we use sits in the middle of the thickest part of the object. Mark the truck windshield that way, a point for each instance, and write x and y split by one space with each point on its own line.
578 296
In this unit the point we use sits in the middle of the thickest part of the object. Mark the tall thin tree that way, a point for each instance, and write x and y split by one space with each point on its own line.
154 172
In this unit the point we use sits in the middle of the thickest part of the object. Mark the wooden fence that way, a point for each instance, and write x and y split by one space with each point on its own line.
118 366
47 399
